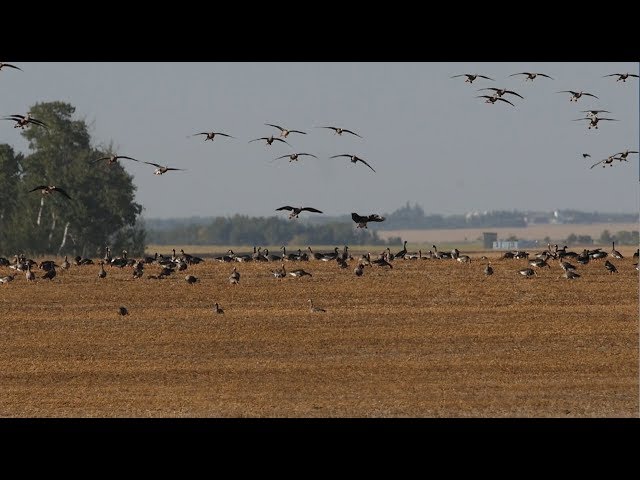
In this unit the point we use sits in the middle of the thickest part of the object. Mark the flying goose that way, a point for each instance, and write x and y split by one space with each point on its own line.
160 169
218 309
501 91
493 99
530 75
295 211
299 273
576 95
102 273
234 278
270 140
471 77
621 76
47 189
2 65
615 253
363 220
611 267
340 131
294 156
211 135
123 311
625 154
606 161
111 159
24 120
284 132
593 121
314 309
585 155
354 159
594 112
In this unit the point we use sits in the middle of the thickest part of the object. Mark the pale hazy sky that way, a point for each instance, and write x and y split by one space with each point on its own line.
428 138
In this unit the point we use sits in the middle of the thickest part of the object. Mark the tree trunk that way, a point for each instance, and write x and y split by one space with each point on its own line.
64 237
40 211
53 226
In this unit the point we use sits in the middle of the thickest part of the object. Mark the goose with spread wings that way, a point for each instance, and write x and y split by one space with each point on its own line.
23 120
531 75
294 156
576 95
622 76
363 220
493 99
48 189
340 131
295 211
212 135
2 65
605 162
501 91
625 154
593 121
161 169
284 132
354 159
471 77
270 140
111 159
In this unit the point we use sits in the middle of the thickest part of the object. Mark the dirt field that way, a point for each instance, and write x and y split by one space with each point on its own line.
533 232
424 339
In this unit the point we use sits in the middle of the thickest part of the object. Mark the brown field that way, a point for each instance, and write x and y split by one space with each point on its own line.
425 339
556 232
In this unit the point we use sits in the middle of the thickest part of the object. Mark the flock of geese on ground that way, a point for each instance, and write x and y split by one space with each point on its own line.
590 115
169 264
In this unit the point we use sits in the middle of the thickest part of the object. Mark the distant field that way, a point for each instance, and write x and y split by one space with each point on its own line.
424 339
556 232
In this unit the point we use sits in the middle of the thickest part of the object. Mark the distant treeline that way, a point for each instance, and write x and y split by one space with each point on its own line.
244 230
321 229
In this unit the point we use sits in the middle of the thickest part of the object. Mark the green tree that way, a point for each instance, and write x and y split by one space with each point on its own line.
10 174
102 210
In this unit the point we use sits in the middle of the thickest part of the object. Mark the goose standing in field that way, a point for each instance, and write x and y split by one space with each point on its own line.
190 279
615 253
8 278
381 262
597 254
576 95
531 75
583 258
123 311
493 99
315 255
212 135
353 159
65 264
340 131
102 273
593 121
234 278
138 271
218 309
3 64
295 211
527 272
280 272
314 309
566 265
359 270
501 91
402 252
30 275
471 77
636 254
270 140
160 169
571 274
621 76
610 267
363 220
539 263
22 121
48 189
284 132
488 270
50 274
299 273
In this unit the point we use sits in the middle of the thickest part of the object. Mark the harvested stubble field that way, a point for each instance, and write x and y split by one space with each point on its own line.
425 339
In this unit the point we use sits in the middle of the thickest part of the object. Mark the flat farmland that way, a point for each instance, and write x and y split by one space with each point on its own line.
556 232
427 338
